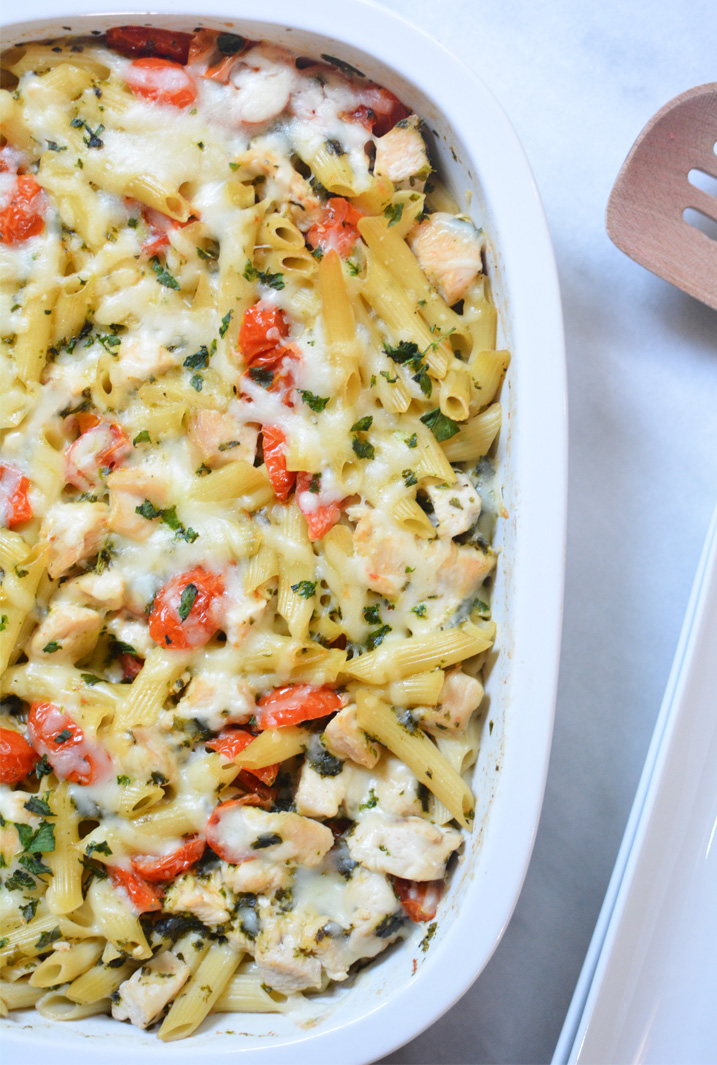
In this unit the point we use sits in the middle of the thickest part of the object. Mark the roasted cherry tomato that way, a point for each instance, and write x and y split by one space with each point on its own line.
294 703
141 894
61 739
419 898
23 216
187 610
336 229
320 517
275 458
169 865
263 329
130 665
161 80
145 41
379 110
17 758
101 446
15 507
230 742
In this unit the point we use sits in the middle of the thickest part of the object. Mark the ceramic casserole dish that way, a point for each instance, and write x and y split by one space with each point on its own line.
480 159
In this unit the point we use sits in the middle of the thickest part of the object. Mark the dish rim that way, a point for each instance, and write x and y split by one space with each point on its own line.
539 437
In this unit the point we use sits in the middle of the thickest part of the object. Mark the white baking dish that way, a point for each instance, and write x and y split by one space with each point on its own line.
408 988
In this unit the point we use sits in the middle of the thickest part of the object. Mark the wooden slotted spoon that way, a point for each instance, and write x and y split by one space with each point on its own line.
645 210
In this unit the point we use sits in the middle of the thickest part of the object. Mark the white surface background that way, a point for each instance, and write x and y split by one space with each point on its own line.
579 80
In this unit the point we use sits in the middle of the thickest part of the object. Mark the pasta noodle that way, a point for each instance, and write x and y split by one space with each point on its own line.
248 406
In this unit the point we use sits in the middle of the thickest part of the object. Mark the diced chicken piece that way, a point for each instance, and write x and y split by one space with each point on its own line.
375 913
404 846
147 991
239 833
442 574
128 490
218 438
241 611
205 897
73 531
390 786
456 507
343 738
449 250
67 634
140 357
305 206
459 697
103 590
260 877
318 796
401 155
286 953
216 699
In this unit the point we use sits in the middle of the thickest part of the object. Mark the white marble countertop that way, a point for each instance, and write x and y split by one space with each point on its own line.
579 81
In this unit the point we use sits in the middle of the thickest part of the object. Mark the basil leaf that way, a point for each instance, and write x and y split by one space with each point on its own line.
316 403
442 427
186 602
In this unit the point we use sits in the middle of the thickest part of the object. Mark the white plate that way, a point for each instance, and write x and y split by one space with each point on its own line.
391 1001
648 991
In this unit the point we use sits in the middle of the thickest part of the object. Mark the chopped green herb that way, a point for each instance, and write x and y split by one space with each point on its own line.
28 911
197 382
391 380
363 448
47 939
200 359
318 253
352 267
362 425
36 805
265 276
442 427
430 933
147 510
409 478
371 801
419 610
377 636
228 446
163 275
186 602
390 924
51 647
52 147
91 679
225 324
142 438
123 780
393 213
315 483
40 840
262 375
334 147
42 768
3 622
133 223
19 881
316 403
269 839
372 614
304 588
109 342
101 848
63 737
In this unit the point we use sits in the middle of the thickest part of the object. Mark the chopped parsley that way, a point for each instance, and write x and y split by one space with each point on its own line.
371 614
262 375
123 780
269 839
393 213
409 478
225 324
101 848
51 647
200 359
163 275
142 438
377 636
91 679
363 448
352 267
390 925
316 403
407 353
48 938
147 510
362 425
306 589
186 602
3 622
419 610
197 382
53 147
442 427
371 801
36 805
63 737
40 840
265 276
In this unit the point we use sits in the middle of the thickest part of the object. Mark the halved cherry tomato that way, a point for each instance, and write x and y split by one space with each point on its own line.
338 826
61 739
258 793
100 446
379 110
218 61
145 41
336 228
294 703
231 741
161 80
263 328
10 159
142 896
159 225
15 506
187 610
228 844
130 665
320 517
419 898
275 458
169 865
17 758
23 216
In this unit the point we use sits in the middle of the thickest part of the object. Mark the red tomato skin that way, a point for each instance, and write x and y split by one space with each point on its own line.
17 758
23 216
213 834
419 898
142 896
73 759
161 80
144 41
100 446
165 625
380 112
293 703
275 458
14 487
130 665
336 228
263 327
167 866
230 742
323 518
